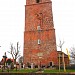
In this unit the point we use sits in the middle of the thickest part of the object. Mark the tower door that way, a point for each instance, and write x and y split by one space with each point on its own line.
51 64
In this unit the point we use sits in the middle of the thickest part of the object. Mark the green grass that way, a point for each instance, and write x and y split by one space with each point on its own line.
35 70
23 71
57 71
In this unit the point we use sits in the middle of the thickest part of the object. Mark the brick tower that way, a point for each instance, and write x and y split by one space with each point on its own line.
39 35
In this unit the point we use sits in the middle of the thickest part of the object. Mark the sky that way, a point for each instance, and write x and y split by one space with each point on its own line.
12 16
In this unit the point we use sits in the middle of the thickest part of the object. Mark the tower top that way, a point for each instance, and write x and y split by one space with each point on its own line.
28 2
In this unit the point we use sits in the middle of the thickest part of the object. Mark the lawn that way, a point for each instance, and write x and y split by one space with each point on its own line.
57 71
21 71
24 70
36 70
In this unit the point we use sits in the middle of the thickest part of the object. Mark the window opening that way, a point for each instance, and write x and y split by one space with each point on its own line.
37 1
38 28
39 41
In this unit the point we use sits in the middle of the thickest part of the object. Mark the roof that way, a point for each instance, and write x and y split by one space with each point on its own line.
60 52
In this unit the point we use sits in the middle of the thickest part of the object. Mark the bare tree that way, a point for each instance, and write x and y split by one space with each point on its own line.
72 54
15 52
61 54
60 45
21 59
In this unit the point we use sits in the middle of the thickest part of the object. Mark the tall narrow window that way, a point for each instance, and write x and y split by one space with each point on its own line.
38 28
37 1
39 41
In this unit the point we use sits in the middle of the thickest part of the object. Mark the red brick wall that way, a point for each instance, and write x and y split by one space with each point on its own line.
32 20
66 61
39 14
29 2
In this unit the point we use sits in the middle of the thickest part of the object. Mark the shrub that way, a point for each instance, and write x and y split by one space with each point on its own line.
71 67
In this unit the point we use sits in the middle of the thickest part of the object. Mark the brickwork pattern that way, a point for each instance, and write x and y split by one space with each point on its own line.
29 2
39 14
32 20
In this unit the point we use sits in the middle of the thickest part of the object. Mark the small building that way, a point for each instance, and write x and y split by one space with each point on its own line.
8 60
63 57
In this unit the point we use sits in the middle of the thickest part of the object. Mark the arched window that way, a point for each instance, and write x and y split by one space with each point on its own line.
37 1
